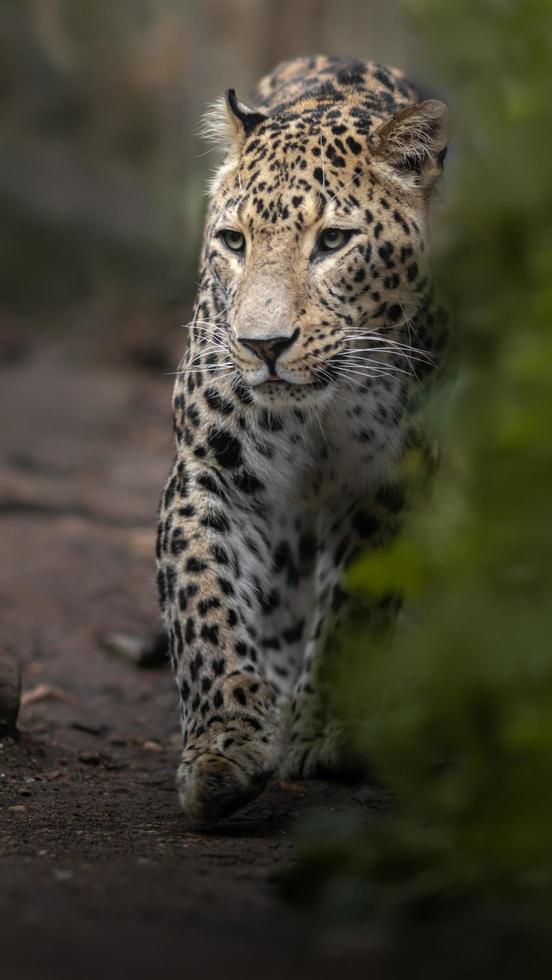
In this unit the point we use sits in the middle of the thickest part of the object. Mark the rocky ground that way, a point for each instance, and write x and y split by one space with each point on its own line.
99 874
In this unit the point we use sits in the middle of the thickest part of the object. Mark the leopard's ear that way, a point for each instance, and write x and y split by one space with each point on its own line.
242 118
413 143
228 122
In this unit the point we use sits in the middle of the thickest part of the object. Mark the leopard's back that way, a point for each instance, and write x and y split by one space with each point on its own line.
382 88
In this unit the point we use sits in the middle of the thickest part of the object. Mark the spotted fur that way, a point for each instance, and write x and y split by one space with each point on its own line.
293 408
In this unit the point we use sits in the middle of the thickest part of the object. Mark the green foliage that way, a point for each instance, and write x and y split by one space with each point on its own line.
458 708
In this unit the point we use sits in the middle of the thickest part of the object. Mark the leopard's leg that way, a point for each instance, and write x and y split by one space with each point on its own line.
316 742
288 605
216 582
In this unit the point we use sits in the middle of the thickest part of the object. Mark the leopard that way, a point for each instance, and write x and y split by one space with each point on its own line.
315 335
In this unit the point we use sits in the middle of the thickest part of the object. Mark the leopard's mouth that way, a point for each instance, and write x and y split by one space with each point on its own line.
276 379
280 385
281 393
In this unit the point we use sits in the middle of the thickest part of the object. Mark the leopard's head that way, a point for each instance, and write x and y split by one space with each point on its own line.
316 243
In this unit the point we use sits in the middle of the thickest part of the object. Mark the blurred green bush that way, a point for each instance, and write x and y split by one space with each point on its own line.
458 707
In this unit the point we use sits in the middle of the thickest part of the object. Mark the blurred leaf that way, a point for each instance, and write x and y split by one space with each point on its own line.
456 712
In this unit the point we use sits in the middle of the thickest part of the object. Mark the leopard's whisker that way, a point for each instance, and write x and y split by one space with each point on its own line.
387 353
212 370
376 335
323 162
367 368
346 357
338 194
368 373
212 343
210 367
397 346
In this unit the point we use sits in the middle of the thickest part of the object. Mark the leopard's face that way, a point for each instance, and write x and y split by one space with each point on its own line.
317 253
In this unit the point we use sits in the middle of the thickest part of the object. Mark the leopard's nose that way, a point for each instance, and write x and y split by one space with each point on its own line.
269 350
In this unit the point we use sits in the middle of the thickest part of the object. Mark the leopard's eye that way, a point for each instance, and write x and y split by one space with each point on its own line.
333 238
233 239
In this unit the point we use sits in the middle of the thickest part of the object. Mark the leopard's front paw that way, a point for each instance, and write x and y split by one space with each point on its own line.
327 753
224 768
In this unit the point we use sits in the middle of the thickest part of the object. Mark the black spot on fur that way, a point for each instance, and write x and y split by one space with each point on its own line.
225 586
248 482
365 524
354 146
217 402
226 447
210 634
216 520
195 565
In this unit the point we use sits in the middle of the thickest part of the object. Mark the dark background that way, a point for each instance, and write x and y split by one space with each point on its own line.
102 175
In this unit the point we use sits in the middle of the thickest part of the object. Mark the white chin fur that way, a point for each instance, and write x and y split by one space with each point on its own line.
254 378
282 394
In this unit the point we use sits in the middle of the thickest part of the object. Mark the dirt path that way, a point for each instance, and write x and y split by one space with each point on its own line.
99 875
98 871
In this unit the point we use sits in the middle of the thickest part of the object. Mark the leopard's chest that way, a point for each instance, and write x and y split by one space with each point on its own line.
342 453
359 442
